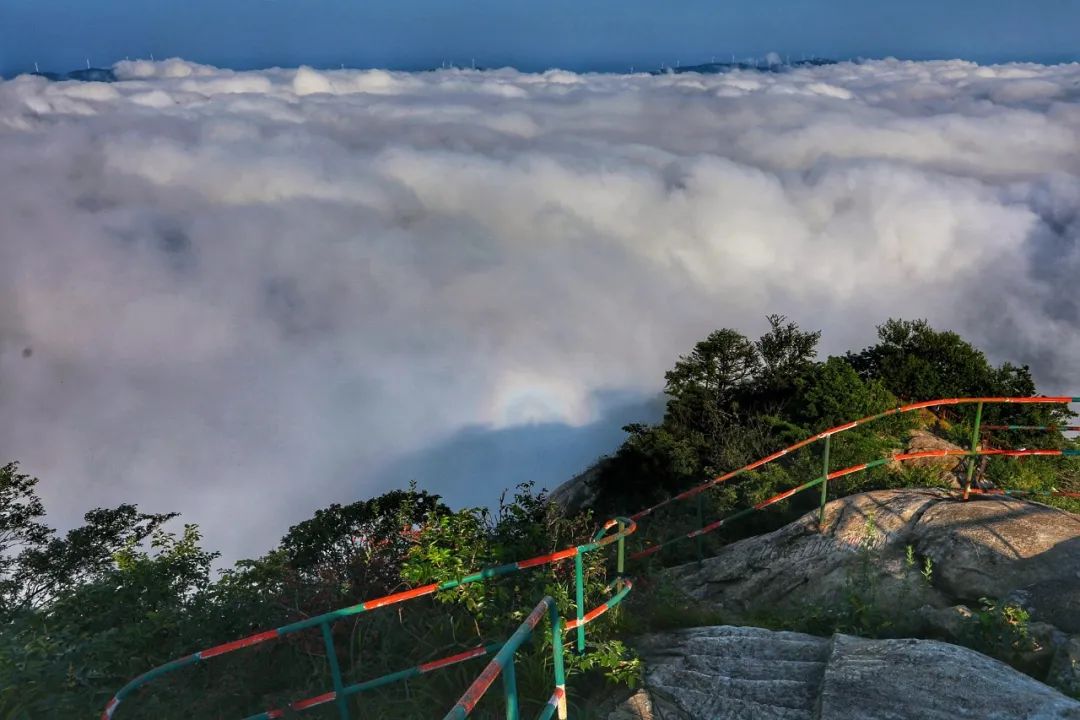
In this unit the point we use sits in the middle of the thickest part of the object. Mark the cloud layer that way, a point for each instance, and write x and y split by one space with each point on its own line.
247 295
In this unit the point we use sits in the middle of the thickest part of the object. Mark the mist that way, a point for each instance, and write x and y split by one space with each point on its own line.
246 295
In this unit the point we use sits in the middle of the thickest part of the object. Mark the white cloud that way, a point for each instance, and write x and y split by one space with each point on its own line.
248 293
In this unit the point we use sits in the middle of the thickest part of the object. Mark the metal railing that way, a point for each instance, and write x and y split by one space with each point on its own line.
827 475
822 480
503 662
340 692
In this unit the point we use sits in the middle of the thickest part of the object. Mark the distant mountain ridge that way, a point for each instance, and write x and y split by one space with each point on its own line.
87 75
717 68
711 68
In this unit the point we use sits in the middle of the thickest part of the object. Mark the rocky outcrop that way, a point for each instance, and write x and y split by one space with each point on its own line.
721 673
950 469
735 672
577 493
1000 548
921 440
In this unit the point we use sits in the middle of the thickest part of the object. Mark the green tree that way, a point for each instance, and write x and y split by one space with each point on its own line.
916 362
834 393
704 383
651 464
84 553
728 400
349 552
21 529
98 631
36 565
787 353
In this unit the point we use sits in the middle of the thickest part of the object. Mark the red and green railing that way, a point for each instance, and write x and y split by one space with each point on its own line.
823 480
503 662
1034 428
827 434
899 458
340 692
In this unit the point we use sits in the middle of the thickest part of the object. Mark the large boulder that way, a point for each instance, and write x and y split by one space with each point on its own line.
721 673
908 548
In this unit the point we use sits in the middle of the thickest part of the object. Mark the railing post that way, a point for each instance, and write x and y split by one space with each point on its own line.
700 524
824 483
620 558
509 676
579 581
335 672
974 448
557 658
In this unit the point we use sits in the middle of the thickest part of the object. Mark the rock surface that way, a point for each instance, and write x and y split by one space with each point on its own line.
1065 669
949 468
577 493
1000 548
721 673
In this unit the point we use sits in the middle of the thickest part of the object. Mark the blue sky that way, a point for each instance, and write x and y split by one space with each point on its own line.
574 34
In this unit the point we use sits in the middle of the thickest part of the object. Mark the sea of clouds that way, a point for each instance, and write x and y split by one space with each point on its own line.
245 295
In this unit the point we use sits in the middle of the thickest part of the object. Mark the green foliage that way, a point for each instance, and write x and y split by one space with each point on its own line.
727 377
909 475
653 463
658 604
834 394
157 600
732 400
86 553
66 657
356 548
615 661
863 613
1001 629
455 544
703 384
729 400
785 353
37 566
21 530
917 362
451 546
